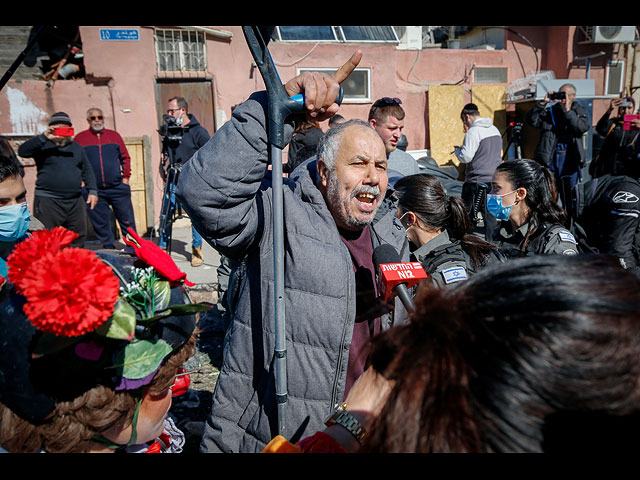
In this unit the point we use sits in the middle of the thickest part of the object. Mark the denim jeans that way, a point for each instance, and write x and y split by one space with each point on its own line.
196 238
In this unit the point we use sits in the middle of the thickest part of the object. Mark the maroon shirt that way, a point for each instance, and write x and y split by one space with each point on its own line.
366 326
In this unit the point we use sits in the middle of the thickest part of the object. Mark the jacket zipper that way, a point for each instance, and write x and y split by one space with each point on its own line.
100 155
334 395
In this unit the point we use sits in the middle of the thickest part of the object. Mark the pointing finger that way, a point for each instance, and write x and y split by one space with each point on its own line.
345 70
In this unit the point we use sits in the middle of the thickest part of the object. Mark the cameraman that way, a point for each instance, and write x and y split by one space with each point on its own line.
613 156
563 123
183 136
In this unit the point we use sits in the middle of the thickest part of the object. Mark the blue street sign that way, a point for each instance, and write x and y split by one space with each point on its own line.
119 34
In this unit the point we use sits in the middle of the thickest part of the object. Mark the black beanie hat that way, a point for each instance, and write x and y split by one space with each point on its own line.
60 118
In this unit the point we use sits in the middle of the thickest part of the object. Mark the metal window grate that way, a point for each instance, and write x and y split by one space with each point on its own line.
179 50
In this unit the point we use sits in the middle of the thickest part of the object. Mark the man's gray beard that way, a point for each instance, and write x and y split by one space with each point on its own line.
333 198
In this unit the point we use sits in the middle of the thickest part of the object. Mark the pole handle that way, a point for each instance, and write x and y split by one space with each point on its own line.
281 106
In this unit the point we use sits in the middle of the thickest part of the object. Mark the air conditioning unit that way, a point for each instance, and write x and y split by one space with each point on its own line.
411 39
610 34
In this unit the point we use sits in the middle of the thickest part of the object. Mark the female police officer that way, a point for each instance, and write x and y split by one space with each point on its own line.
523 197
439 228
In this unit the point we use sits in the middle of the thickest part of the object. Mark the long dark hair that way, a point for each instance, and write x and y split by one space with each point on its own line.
485 366
424 195
542 193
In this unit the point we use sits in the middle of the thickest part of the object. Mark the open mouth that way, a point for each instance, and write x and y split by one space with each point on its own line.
366 201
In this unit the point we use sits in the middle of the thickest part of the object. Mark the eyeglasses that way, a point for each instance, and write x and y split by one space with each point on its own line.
97 117
171 110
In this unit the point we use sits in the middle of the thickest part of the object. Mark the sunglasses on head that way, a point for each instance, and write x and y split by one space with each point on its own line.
388 101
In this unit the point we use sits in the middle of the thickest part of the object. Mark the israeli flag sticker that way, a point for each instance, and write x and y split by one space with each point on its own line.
567 237
454 274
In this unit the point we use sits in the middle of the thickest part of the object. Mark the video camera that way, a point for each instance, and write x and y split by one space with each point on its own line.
170 129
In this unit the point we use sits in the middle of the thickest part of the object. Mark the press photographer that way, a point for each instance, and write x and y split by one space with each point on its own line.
182 137
562 122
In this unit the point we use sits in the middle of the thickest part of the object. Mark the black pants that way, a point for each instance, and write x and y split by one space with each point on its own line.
63 212
468 196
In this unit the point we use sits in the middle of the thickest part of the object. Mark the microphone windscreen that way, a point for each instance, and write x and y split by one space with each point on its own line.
385 253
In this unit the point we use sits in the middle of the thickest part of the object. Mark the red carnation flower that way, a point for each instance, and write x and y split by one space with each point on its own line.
69 292
27 252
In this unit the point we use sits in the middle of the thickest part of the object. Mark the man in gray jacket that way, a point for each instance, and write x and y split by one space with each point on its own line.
481 153
336 211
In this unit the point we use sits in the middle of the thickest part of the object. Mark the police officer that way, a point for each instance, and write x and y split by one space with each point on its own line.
523 197
439 230
611 217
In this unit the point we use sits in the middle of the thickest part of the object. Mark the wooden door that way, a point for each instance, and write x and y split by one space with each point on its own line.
141 182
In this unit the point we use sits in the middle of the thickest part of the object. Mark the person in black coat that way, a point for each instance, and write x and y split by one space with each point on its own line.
63 168
194 136
613 158
304 143
562 125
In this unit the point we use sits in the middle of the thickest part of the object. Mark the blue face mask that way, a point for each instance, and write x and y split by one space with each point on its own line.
14 222
495 207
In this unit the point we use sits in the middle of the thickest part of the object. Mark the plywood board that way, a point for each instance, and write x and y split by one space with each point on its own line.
137 182
490 101
445 102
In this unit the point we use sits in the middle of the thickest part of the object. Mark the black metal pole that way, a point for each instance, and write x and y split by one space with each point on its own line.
18 61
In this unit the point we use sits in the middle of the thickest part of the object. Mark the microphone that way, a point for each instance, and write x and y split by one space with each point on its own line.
394 276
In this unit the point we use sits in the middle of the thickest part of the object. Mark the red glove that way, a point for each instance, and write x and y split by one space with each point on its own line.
155 257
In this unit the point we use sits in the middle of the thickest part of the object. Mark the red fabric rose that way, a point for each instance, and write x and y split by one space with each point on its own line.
69 292
155 257
27 252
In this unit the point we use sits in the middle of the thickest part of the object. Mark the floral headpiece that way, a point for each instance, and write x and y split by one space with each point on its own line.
100 317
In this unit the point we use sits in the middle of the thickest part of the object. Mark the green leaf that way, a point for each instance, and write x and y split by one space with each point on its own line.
140 358
162 295
184 309
122 323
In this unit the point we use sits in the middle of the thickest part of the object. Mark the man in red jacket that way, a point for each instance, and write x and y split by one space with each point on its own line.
111 163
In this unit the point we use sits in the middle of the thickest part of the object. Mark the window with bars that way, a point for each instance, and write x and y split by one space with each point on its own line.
180 50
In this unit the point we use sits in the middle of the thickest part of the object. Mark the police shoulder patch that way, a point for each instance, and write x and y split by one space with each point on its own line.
454 274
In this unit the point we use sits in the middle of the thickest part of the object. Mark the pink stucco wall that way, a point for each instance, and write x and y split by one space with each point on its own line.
129 98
